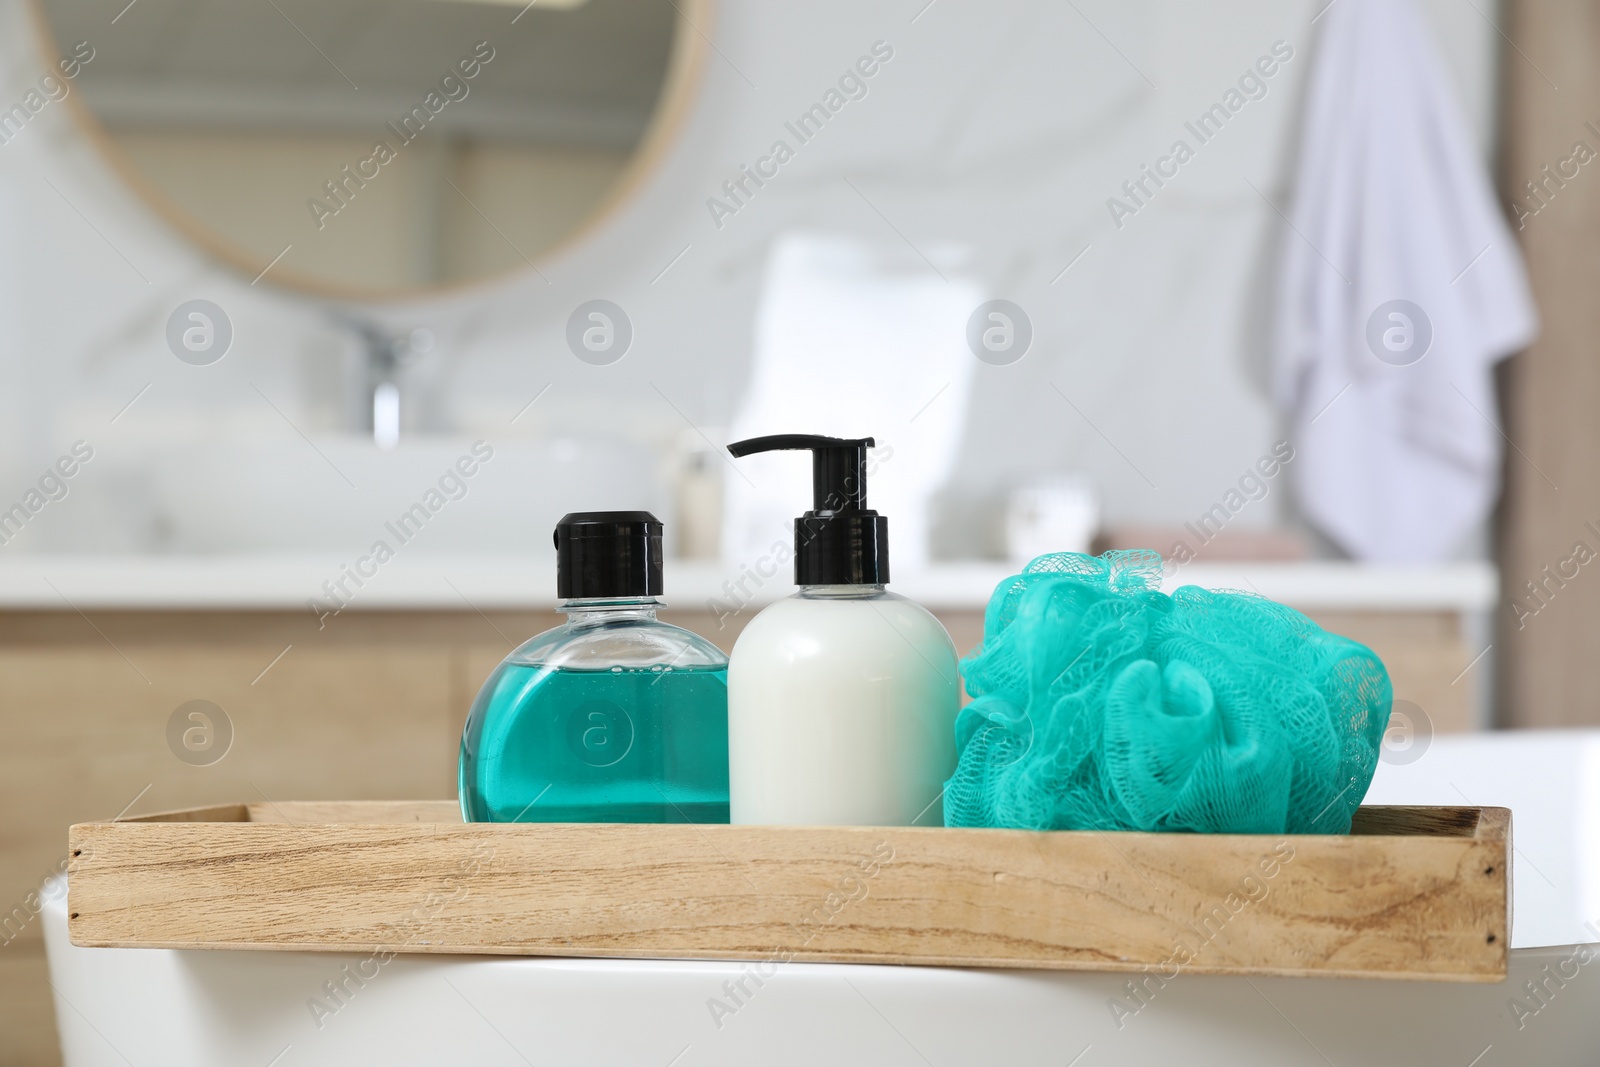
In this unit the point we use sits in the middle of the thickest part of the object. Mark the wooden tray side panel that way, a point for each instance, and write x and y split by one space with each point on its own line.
1420 907
1390 820
358 812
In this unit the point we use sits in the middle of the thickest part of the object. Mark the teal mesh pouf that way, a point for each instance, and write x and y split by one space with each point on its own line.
1101 703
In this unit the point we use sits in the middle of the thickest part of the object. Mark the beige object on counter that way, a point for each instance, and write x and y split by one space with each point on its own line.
1175 543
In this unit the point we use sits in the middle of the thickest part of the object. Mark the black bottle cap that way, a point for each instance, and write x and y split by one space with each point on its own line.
608 554
839 541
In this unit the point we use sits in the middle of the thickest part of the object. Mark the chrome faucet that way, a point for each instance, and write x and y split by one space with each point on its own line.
386 353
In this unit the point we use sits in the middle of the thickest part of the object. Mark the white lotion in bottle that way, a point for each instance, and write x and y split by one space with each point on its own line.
842 698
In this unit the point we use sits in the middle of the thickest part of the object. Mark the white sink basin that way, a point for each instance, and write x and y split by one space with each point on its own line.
342 494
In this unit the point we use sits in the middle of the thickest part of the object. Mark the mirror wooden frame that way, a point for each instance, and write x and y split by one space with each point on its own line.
685 68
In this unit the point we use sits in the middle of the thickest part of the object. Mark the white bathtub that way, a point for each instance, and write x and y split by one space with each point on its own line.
218 1009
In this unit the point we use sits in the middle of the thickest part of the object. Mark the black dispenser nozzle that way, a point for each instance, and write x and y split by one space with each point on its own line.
839 541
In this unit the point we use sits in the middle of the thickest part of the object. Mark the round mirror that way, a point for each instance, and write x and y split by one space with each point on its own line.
376 147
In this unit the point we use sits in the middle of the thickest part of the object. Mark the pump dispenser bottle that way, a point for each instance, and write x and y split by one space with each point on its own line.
842 698
613 716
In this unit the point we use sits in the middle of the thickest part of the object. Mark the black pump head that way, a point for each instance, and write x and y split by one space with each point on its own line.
839 541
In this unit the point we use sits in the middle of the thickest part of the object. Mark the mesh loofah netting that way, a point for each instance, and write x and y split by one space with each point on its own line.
1099 702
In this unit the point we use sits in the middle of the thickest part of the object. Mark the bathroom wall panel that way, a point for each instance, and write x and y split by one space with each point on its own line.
1549 624
86 734
71 748
27 1013
1427 655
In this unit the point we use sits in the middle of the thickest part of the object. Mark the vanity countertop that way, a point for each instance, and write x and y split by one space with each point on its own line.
444 582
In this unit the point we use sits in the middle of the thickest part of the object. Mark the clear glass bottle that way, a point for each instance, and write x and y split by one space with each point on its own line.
614 716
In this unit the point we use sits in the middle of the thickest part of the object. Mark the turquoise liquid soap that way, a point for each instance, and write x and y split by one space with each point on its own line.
613 716
625 744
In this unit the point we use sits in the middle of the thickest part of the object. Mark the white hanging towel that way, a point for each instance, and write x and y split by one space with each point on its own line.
1402 287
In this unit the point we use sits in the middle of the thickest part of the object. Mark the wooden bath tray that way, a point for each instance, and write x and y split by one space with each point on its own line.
1420 893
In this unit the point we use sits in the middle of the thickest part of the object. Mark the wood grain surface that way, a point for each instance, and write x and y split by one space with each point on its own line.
1418 893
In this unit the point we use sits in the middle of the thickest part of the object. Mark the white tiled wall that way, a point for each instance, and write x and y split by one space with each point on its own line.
1002 127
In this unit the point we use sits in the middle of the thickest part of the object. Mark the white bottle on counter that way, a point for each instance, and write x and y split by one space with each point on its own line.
842 698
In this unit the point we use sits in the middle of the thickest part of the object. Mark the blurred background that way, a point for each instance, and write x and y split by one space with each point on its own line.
285 282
